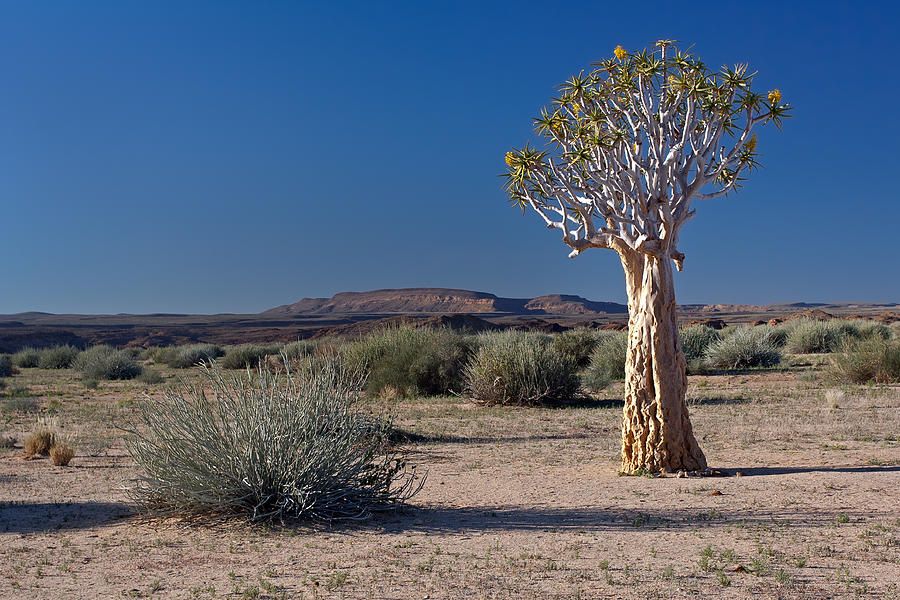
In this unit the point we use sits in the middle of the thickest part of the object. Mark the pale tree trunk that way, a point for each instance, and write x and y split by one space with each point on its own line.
656 431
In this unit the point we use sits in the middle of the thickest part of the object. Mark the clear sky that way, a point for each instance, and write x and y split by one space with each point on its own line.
232 156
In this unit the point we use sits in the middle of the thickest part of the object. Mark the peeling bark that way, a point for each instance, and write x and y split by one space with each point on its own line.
656 429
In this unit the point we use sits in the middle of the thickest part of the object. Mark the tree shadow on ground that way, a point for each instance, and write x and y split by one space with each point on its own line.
587 402
718 400
401 436
760 471
34 517
443 519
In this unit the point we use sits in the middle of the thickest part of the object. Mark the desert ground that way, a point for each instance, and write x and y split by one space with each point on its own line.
518 503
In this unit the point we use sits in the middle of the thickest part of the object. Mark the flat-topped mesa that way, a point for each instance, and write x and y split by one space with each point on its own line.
565 304
404 301
445 301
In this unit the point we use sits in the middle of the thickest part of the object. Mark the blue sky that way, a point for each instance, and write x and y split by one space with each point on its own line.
233 156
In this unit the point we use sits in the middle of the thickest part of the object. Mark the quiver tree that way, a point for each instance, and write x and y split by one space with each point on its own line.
629 146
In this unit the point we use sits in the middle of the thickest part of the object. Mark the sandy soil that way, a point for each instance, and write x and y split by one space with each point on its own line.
518 503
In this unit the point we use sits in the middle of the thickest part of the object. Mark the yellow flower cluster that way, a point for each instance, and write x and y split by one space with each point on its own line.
509 159
620 52
775 96
751 143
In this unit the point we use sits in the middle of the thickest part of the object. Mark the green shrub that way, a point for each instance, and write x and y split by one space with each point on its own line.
577 344
746 347
607 361
808 336
27 358
150 376
411 361
515 367
247 356
60 357
869 359
872 329
183 357
298 350
696 339
265 447
6 365
103 362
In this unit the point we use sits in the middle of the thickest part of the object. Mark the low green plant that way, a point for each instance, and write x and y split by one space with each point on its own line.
607 361
746 347
247 356
27 358
104 362
58 357
872 359
577 344
411 361
521 368
265 446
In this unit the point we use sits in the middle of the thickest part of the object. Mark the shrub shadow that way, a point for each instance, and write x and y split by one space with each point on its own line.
34 517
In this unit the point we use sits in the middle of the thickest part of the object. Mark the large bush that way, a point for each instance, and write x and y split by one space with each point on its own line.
103 362
746 347
515 367
6 365
266 447
183 357
60 357
808 336
607 361
696 339
577 344
423 361
247 355
870 359
27 358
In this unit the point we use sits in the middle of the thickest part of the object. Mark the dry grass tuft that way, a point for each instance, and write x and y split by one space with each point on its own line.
39 442
835 398
61 453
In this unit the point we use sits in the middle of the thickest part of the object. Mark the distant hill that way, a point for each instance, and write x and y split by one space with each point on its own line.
445 301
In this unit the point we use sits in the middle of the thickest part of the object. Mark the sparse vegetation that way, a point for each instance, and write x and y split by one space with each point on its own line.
422 361
747 347
515 367
607 361
103 362
266 448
